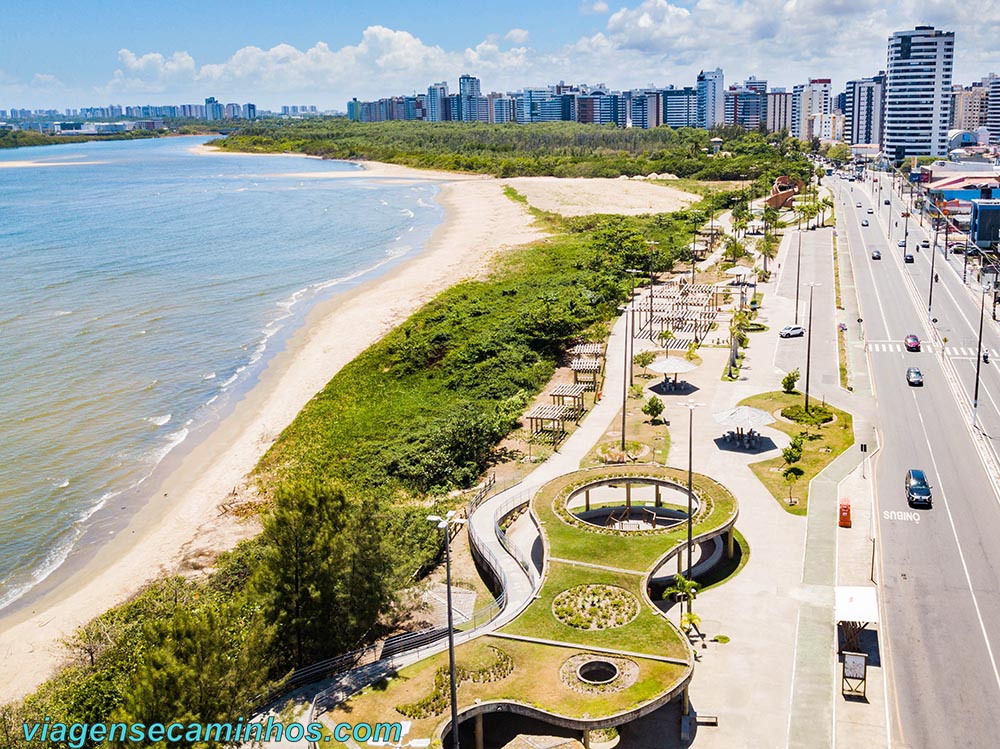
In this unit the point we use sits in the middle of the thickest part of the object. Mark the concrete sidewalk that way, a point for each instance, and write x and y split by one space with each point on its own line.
776 682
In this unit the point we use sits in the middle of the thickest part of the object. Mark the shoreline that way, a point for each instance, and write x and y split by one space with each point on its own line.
182 523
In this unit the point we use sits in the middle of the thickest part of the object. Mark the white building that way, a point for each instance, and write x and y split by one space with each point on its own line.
863 115
918 93
809 99
779 111
711 98
827 127
993 111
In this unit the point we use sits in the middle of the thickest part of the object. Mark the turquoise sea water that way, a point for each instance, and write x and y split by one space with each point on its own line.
138 294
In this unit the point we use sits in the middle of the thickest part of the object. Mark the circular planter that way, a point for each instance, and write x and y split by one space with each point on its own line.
597 672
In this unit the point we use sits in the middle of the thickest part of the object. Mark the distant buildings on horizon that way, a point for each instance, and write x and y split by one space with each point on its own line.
911 108
149 117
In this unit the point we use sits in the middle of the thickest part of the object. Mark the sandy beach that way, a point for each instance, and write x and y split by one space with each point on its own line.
182 528
183 525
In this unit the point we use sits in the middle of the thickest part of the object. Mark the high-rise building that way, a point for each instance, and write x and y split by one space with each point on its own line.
744 107
918 93
711 98
474 106
680 107
809 99
645 109
779 111
213 109
993 111
864 102
970 104
437 100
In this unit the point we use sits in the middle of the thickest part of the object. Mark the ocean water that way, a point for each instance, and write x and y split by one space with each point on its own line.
140 289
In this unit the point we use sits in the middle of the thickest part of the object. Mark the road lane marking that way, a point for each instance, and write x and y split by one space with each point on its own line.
961 554
907 515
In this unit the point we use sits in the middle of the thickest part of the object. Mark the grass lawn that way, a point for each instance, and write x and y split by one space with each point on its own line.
817 454
534 681
630 551
648 633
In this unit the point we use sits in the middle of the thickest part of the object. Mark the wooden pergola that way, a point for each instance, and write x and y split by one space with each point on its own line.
550 419
587 350
570 396
585 372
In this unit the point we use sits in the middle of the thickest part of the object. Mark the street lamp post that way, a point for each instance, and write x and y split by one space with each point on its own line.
631 316
979 354
691 406
798 270
930 290
445 523
694 237
906 231
651 244
809 335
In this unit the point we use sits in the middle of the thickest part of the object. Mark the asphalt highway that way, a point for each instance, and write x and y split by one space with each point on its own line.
939 585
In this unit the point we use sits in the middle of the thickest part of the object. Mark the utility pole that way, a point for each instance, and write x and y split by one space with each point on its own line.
809 334
798 270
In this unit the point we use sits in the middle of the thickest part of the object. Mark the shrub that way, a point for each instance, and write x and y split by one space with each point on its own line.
788 382
816 415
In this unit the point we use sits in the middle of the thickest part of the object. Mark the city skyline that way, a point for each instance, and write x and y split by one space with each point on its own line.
68 56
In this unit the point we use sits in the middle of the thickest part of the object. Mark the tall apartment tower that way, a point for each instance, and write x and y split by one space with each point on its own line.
779 111
993 111
809 99
864 103
680 107
970 105
437 98
711 98
918 93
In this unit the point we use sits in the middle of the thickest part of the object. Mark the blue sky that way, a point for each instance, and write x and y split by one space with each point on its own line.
69 54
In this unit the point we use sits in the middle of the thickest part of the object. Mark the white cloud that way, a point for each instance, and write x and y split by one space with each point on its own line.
594 7
658 41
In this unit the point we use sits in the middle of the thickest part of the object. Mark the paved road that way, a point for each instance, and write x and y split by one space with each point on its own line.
940 589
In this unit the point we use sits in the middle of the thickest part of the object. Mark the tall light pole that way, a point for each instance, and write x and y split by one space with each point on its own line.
930 290
809 336
445 523
798 270
631 314
906 231
652 253
979 353
694 237
691 406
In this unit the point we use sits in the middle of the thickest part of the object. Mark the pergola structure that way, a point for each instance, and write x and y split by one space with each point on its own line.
548 419
587 351
585 372
569 396
684 308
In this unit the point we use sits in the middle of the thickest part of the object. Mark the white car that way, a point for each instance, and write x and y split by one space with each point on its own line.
791 331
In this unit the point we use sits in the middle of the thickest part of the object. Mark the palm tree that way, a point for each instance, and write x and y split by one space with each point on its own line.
737 336
683 590
665 337
735 248
767 247
826 204
740 224
771 216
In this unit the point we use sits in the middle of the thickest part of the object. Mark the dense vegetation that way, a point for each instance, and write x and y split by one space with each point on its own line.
561 149
21 138
351 482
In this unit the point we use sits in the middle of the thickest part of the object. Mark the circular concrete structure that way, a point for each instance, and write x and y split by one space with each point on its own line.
597 672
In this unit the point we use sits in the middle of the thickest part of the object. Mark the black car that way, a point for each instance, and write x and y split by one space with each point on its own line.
876 255
907 258
918 491
886 201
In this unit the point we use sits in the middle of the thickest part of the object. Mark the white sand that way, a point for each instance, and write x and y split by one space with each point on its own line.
36 164
582 197
184 522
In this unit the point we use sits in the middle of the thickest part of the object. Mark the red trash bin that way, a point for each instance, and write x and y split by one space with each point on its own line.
845 513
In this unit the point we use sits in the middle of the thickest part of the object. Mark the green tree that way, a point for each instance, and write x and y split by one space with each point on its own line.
789 380
202 665
839 152
653 408
298 583
791 475
665 337
735 249
683 590
767 248
643 359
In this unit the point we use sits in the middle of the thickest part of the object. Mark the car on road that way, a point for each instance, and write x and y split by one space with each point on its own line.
791 331
876 255
864 222
907 258
911 342
918 491
901 243
857 205
871 210
925 243
886 202
914 377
